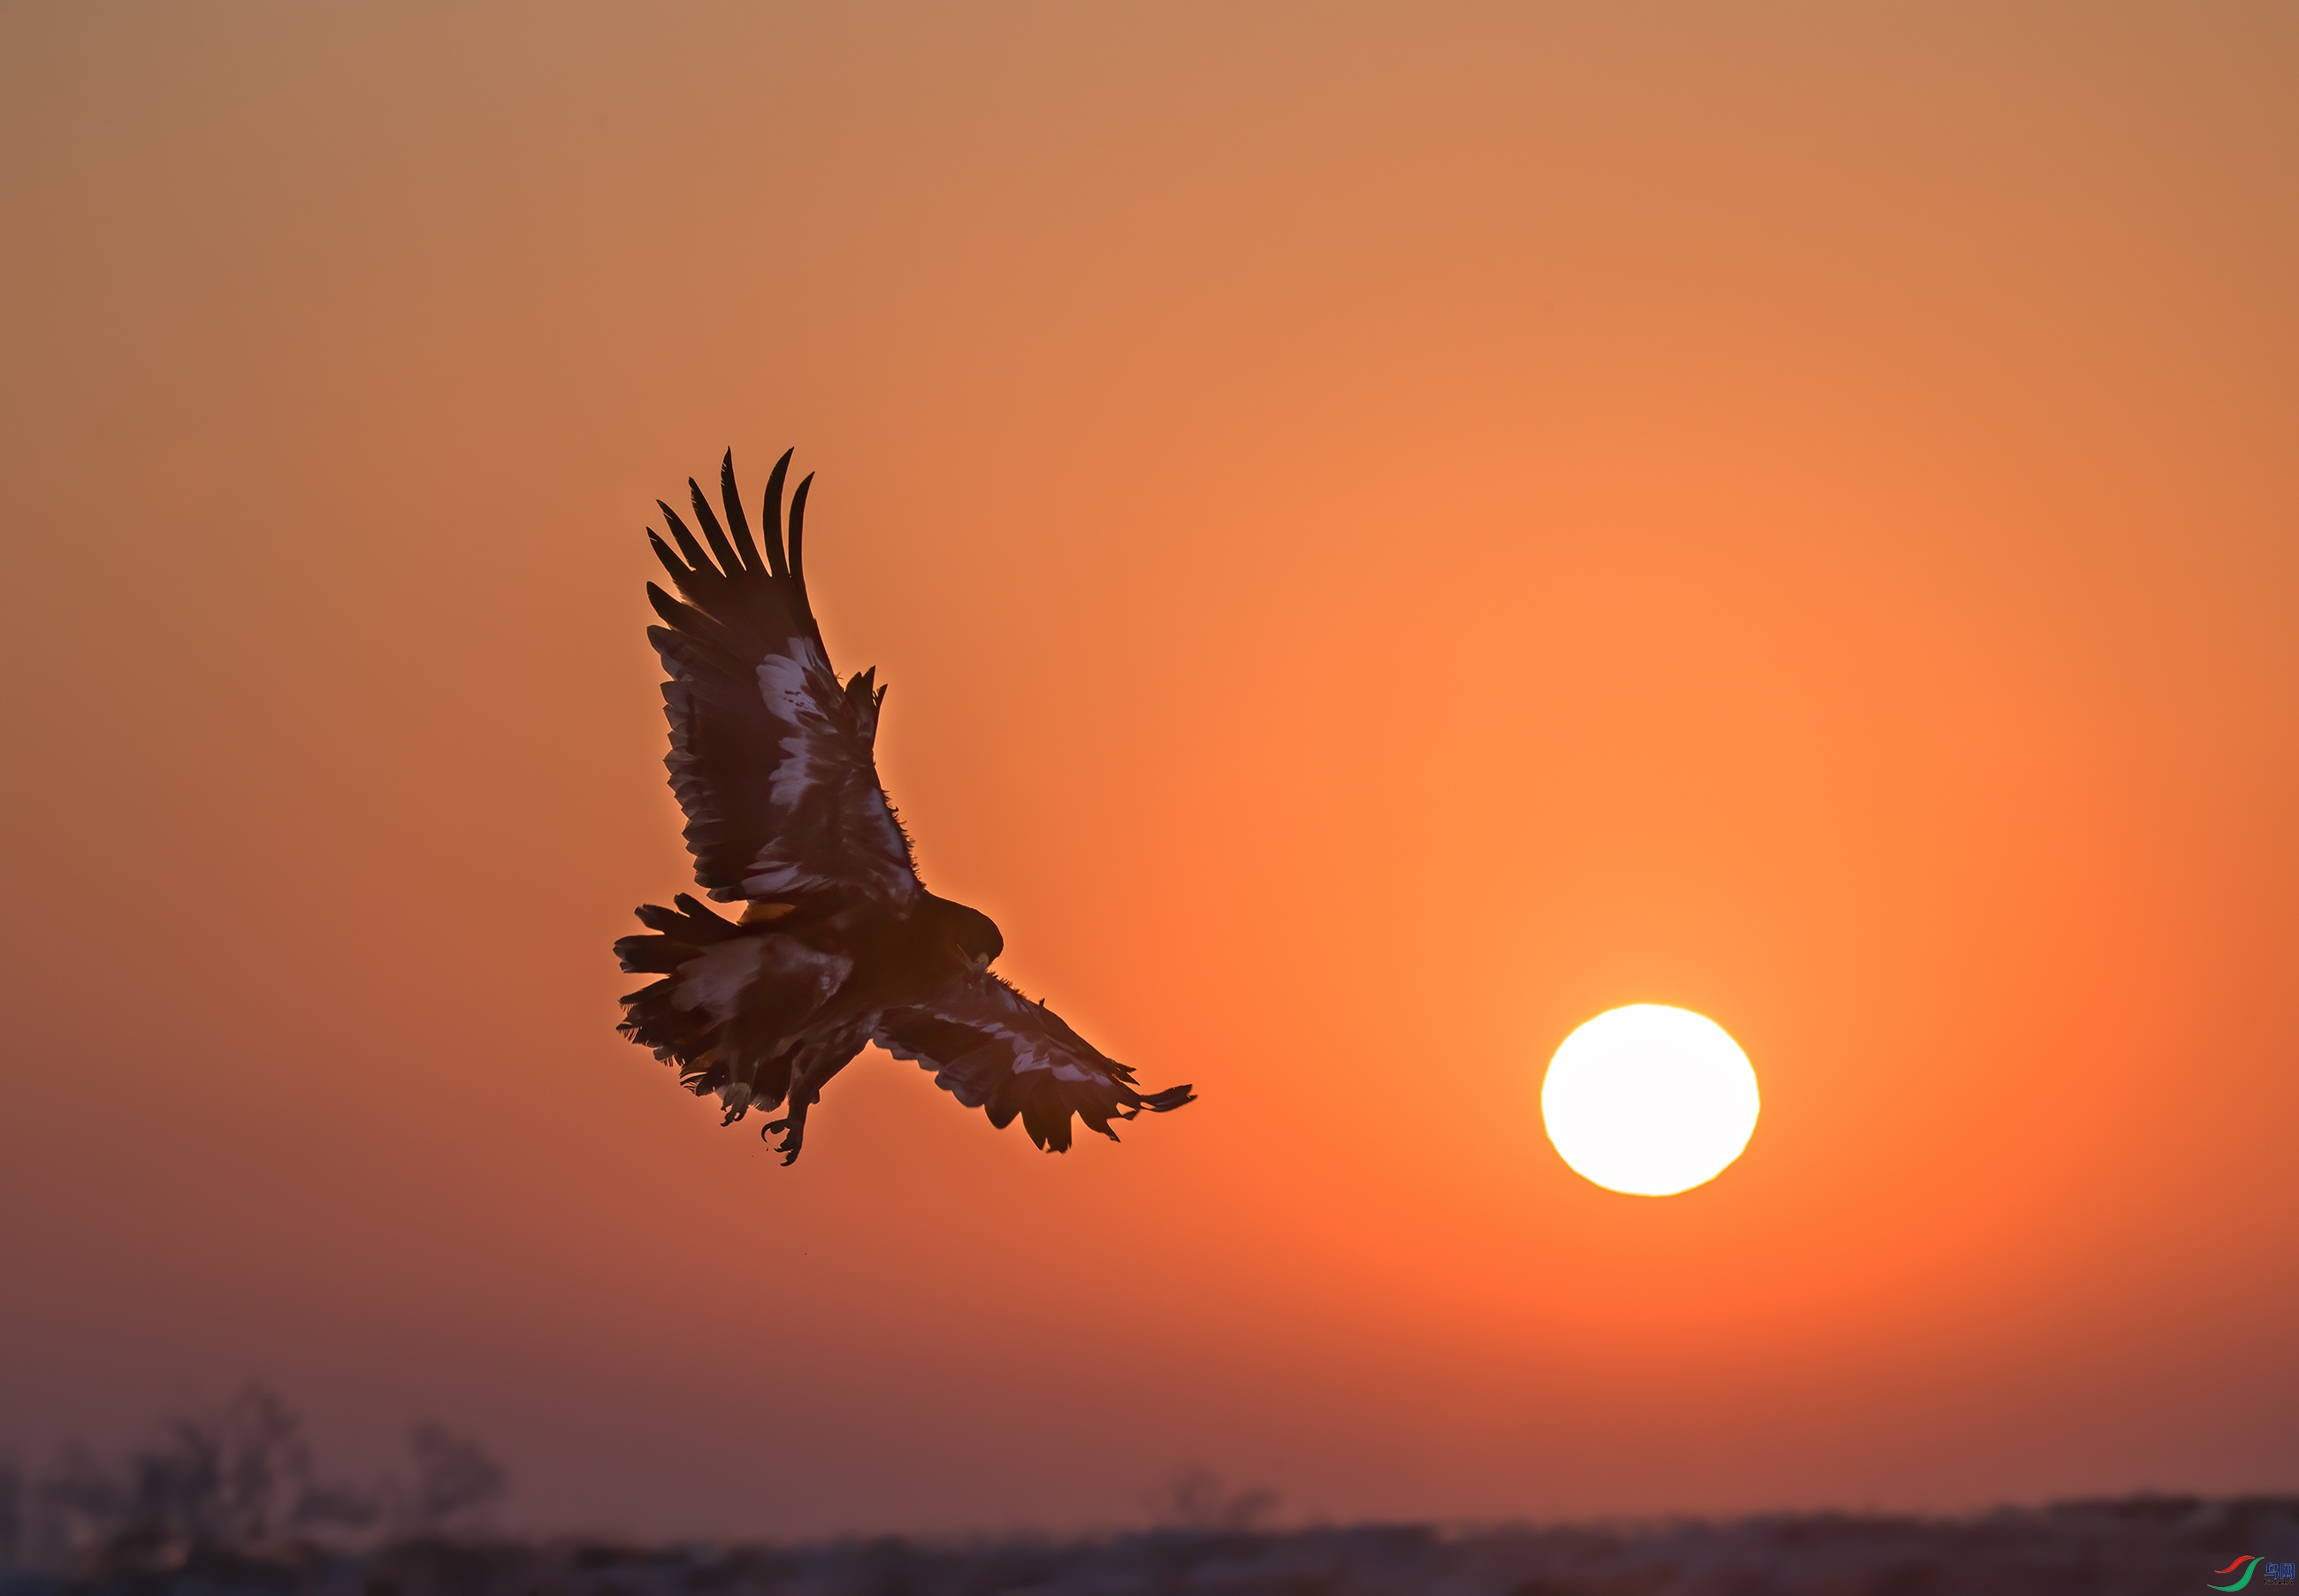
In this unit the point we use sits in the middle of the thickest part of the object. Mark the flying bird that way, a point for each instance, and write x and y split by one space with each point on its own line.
839 944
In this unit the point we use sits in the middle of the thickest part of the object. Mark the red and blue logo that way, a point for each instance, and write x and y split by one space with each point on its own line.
2251 1563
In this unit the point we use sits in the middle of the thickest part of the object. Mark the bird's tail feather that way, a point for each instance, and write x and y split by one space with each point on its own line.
682 1034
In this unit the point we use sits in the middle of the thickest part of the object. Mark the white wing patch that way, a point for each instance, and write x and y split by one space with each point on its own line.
783 688
817 774
1031 1046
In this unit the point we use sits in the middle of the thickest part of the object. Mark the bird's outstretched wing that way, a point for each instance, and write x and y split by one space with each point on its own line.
769 756
991 1048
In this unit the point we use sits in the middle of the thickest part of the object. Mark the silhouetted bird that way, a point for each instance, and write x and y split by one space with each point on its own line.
839 943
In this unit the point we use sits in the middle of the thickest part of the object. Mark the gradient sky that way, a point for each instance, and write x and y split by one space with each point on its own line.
1392 529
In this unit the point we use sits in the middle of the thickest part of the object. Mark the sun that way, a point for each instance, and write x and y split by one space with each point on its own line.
1649 1100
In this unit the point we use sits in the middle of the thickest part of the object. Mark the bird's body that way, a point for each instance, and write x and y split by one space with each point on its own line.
840 944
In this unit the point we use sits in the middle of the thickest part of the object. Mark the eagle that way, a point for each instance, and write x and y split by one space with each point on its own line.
838 943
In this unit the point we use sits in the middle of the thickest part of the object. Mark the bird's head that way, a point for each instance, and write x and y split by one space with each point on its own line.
974 934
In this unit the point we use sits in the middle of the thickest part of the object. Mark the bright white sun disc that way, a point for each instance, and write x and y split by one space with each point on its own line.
1649 1100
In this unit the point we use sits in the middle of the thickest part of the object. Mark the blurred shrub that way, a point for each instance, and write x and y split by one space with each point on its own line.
240 1482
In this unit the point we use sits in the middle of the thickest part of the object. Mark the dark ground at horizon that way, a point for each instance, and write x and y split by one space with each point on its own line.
2143 1544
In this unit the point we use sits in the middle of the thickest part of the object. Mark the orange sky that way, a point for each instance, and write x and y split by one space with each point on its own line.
1389 533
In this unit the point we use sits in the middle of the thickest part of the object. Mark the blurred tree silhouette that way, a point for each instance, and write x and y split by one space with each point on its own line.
241 1482
1198 1498
455 1481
